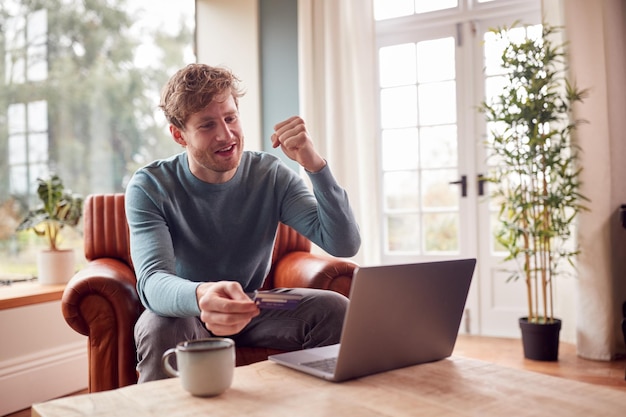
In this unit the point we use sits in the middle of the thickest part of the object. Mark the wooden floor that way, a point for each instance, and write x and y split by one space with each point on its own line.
508 352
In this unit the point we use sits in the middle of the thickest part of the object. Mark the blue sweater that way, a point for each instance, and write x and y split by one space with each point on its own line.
184 231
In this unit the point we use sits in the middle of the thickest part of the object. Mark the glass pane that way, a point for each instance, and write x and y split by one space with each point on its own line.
38 116
495 83
167 16
398 107
14 32
535 32
397 65
493 49
37 27
388 9
401 190
400 149
436 60
437 191
37 63
38 171
15 66
496 247
17 149
495 202
437 103
438 146
441 232
16 118
493 129
403 233
425 6
494 87
18 181
38 147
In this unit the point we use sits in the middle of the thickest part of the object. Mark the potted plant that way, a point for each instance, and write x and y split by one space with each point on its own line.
535 175
58 208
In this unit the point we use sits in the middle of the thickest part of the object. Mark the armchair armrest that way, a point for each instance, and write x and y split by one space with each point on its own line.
101 302
308 270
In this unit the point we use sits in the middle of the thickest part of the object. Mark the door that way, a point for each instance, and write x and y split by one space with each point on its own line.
435 206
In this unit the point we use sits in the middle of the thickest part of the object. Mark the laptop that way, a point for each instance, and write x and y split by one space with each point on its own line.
398 316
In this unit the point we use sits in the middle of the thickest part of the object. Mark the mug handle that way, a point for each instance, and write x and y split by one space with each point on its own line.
167 366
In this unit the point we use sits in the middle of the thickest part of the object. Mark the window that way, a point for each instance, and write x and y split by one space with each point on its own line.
385 9
27 121
418 120
81 83
25 47
435 65
28 144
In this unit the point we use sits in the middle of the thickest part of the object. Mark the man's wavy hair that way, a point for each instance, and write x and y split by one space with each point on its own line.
193 87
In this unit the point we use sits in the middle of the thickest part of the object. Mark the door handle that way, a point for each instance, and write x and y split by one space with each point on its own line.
481 184
463 182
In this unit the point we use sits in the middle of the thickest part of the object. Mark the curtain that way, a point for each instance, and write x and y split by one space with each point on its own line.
595 31
338 89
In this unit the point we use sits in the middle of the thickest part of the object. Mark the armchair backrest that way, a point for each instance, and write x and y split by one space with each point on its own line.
106 231
105 228
288 240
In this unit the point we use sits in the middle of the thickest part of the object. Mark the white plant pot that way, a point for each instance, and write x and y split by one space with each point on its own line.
55 266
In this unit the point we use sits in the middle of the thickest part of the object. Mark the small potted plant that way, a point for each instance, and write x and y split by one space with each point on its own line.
535 176
58 208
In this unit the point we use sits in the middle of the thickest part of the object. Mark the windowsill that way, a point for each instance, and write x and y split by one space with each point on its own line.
22 294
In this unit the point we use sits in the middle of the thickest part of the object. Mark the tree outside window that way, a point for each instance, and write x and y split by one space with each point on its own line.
81 82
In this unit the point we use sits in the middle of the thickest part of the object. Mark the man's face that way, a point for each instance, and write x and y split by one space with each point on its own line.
214 140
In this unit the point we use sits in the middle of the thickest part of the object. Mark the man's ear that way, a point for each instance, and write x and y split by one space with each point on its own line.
177 134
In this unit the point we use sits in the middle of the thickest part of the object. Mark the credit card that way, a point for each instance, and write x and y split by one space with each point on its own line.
277 299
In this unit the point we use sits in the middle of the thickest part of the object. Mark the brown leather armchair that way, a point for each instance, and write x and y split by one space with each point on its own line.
101 300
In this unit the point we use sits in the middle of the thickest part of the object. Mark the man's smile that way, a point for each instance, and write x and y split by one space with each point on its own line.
228 149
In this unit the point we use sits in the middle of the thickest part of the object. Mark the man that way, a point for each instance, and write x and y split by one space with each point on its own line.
202 226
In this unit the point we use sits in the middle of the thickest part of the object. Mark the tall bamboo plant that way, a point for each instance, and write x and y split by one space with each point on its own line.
535 174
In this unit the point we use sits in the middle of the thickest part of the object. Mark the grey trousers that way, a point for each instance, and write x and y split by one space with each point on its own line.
317 321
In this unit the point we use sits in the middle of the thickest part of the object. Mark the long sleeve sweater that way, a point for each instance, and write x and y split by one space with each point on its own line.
184 231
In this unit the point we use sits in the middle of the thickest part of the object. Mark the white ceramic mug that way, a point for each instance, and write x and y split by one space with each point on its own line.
205 366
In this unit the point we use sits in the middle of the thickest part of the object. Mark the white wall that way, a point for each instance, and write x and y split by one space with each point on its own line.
41 357
219 42
597 58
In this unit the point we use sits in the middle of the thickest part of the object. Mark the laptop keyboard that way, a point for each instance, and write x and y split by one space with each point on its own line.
325 365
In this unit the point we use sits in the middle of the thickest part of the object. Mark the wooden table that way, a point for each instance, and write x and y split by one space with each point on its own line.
451 387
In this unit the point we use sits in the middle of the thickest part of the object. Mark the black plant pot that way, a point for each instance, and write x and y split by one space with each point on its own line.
540 341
